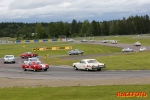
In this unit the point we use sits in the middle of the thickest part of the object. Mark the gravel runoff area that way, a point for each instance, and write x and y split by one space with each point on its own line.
15 82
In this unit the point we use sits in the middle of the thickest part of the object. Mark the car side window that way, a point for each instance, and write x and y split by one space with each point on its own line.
83 62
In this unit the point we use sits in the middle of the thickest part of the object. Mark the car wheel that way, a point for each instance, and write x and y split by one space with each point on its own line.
45 69
87 69
75 68
99 69
34 70
25 69
77 54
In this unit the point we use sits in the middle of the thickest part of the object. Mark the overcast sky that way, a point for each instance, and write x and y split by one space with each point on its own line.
66 10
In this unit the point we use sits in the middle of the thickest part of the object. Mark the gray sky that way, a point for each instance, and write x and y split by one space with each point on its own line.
67 10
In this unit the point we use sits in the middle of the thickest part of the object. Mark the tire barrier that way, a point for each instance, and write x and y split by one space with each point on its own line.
53 48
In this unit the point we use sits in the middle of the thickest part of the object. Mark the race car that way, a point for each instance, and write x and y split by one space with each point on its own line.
137 44
28 55
35 66
105 41
31 59
70 40
92 41
114 42
75 52
9 59
127 50
84 40
143 49
88 64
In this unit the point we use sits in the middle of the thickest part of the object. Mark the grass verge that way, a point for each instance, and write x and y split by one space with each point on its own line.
74 93
128 61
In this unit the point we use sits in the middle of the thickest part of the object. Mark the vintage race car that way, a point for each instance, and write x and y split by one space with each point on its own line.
127 50
35 66
105 41
70 40
31 59
28 55
89 64
114 42
9 59
92 41
75 52
137 44
143 49
84 40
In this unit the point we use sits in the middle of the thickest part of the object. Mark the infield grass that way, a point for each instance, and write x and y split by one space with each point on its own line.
126 61
17 49
74 93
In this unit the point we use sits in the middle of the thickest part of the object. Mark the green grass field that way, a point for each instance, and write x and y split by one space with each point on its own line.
73 93
17 49
132 61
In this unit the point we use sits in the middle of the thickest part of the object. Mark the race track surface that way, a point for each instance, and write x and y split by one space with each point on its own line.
62 73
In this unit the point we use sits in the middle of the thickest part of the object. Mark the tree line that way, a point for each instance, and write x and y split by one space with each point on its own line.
125 26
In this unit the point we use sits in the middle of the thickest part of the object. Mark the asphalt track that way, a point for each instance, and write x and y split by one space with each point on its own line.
67 72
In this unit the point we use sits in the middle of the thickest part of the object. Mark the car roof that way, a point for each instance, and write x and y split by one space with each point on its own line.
9 55
88 59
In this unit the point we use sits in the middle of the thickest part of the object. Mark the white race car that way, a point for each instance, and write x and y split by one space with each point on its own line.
137 44
127 50
70 40
143 49
31 59
105 41
114 42
92 41
84 40
88 64
9 59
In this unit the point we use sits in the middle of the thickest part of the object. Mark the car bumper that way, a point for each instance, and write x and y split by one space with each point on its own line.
98 67
9 61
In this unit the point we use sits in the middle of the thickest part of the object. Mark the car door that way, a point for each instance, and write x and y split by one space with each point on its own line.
82 64
31 66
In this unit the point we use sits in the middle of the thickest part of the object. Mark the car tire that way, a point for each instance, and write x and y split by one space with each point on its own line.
34 70
87 69
25 69
75 68
45 69
99 69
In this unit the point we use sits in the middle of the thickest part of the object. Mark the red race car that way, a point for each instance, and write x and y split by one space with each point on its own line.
28 55
35 66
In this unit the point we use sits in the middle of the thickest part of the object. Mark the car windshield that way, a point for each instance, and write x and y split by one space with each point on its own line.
92 61
39 63
9 56
34 59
